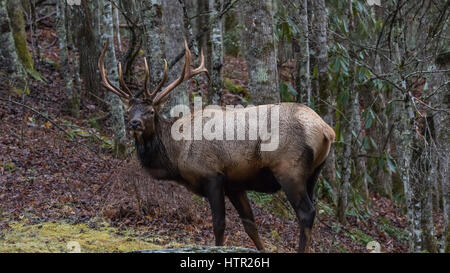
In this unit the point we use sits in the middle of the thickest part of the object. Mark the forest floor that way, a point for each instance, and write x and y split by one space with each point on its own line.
60 182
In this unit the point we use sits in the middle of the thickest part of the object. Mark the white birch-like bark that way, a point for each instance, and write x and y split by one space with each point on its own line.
216 42
117 28
304 46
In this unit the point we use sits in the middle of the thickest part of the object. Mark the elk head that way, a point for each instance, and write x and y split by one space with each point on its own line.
144 106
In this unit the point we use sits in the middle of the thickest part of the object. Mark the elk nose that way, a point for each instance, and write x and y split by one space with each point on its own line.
135 124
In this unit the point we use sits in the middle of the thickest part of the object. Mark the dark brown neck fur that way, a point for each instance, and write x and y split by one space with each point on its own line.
153 153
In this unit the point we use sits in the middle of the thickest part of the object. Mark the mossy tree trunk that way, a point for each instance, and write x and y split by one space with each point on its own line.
260 51
14 70
17 23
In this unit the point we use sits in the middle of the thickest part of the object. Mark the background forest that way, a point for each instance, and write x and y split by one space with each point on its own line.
377 71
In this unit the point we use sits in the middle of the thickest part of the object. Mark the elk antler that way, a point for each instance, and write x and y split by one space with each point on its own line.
153 93
105 81
186 74
122 82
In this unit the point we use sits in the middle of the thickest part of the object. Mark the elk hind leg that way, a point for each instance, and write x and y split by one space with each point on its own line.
294 184
242 205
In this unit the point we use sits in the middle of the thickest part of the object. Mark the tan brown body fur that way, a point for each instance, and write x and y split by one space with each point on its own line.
241 161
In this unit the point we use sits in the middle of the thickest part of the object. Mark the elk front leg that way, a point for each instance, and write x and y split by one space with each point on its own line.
241 204
216 198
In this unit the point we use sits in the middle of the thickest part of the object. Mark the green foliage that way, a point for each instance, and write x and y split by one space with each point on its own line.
359 236
398 233
323 207
285 28
287 92
91 134
324 190
231 35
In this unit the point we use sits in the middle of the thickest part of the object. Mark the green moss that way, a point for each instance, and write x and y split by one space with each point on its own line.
55 237
235 88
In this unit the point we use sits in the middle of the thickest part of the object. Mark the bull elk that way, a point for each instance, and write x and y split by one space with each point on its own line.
218 168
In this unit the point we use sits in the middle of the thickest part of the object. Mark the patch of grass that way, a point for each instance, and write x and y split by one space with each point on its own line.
8 166
62 237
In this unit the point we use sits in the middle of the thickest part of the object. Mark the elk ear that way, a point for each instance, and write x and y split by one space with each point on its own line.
126 104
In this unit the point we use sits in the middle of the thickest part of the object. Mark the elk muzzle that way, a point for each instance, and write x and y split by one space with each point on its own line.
136 125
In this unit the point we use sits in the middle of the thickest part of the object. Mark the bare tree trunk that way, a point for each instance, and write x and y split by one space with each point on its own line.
8 55
441 123
34 34
301 54
75 64
260 51
381 132
325 96
72 97
96 12
153 39
115 103
351 127
174 43
87 46
201 21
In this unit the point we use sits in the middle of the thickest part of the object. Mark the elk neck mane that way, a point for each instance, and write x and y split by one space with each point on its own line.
152 151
